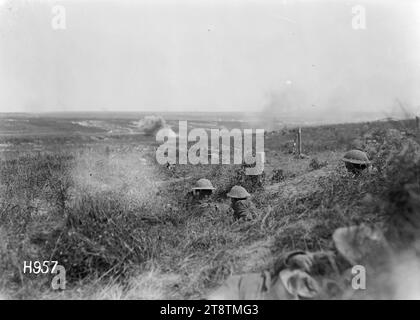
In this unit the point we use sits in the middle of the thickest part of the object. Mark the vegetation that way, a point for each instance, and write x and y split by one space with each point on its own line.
122 228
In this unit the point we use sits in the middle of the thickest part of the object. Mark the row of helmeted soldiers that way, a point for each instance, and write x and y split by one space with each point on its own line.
355 161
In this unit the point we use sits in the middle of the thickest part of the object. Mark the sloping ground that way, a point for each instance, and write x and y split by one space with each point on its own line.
318 222
299 186
303 181
256 256
260 254
151 285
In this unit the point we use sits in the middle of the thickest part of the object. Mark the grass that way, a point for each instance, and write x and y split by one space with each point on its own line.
122 230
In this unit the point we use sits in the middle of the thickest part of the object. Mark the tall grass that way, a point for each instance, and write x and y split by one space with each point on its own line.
122 230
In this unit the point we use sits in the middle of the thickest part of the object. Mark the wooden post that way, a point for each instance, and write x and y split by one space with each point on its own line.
299 141
417 123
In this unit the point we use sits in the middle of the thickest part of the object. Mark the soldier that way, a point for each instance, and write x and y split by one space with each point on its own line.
318 275
361 245
356 161
200 193
242 207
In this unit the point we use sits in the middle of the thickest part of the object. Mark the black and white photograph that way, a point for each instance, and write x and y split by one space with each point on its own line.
210 150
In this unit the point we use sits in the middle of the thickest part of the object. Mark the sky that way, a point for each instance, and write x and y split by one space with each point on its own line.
230 55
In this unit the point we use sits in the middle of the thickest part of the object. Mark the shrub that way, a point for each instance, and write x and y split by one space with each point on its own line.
277 175
100 237
315 164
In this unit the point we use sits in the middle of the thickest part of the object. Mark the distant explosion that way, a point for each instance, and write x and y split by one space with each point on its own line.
150 125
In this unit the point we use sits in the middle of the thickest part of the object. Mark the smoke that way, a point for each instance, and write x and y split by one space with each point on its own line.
124 172
390 273
150 125
404 232
405 277
289 100
287 105
398 278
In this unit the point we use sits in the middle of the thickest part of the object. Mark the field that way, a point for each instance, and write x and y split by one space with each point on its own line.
87 192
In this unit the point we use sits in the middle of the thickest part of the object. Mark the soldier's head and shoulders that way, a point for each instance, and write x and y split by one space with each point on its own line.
201 193
356 161
240 202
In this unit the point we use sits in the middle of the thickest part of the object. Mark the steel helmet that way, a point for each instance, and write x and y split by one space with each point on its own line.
203 184
356 157
238 192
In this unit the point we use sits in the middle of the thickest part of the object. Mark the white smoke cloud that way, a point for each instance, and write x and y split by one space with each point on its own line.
151 124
